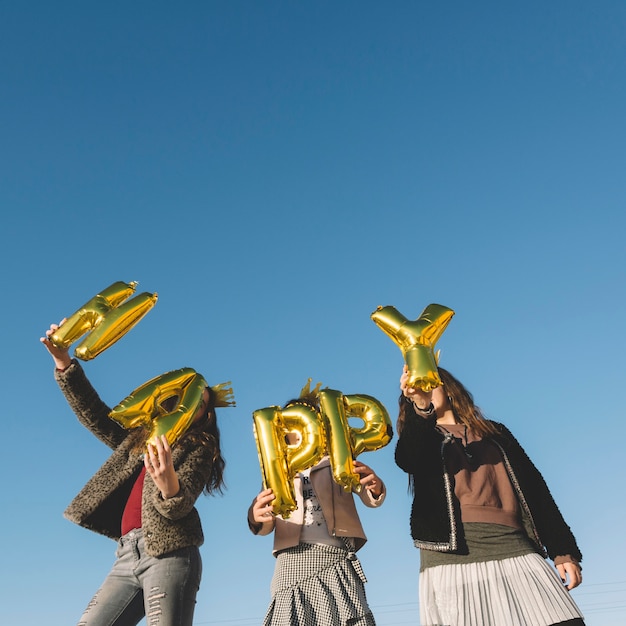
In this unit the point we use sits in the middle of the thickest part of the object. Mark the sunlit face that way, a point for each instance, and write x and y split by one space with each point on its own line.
203 405
293 438
440 398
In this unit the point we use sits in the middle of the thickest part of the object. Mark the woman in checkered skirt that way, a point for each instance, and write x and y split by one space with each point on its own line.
318 579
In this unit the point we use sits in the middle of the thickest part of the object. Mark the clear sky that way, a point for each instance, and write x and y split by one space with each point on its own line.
275 171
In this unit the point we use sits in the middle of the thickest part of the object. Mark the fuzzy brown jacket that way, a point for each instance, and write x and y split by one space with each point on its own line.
168 524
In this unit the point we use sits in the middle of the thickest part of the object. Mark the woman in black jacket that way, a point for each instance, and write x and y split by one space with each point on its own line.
482 517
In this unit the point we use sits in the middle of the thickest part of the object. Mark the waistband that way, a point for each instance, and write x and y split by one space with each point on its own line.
132 536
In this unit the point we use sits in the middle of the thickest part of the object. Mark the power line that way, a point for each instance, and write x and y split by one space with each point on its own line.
593 599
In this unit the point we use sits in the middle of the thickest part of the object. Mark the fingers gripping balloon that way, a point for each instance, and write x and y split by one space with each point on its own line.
107 317
318 433
416 339
147 405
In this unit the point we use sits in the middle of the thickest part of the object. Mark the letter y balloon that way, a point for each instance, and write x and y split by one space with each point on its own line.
416 339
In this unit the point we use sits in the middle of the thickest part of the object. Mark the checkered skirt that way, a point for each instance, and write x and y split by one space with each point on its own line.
318 585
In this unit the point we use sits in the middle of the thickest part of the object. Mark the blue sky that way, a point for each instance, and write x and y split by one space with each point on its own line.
275 171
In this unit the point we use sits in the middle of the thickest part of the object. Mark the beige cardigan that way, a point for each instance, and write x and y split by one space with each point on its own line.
337 505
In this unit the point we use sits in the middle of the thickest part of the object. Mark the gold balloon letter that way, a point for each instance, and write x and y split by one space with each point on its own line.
377 430
146 405
106 317
271 446
282 460
345 443
327 432
339 444
416 339
306 438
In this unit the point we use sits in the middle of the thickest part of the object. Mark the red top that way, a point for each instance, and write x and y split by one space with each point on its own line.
131 518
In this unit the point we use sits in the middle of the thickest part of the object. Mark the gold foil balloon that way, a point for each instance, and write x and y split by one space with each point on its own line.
269 434
318 433
107 317
339 444
146 406
376 431
346 442
309 445
281 459
416 339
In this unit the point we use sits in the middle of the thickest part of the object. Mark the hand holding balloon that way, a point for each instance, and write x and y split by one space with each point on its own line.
421 399
60 355
158 462
262 512
369 479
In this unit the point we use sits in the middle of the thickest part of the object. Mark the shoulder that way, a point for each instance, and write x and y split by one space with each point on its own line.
500 427
506 438
502 434
324 462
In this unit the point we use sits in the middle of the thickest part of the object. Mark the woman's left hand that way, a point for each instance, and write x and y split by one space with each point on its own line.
570 573
368 478
158 462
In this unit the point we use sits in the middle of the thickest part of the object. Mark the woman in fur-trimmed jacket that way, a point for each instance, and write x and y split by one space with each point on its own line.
482 516
146 502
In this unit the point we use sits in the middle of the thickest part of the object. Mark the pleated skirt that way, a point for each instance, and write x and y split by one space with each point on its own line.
315 585
517 591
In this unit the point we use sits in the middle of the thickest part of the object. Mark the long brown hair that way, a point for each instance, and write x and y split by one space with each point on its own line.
206 432
462 405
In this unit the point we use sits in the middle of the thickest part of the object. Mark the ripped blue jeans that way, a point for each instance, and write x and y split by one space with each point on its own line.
161 589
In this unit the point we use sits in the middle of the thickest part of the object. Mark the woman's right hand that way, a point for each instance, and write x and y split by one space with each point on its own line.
262 507
421 399
60 356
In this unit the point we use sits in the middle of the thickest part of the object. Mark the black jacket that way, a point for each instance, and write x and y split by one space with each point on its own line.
421 450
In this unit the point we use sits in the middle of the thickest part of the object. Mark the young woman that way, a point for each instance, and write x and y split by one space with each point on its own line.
144 501
482 517
318 579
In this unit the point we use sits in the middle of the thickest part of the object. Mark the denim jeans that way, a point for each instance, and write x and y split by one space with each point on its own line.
162 589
